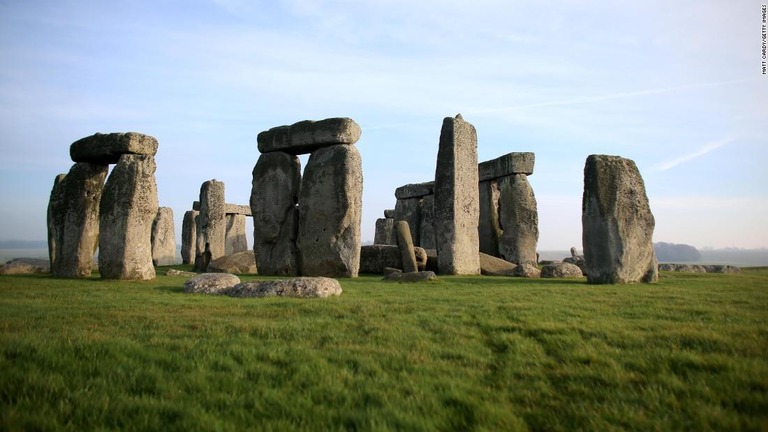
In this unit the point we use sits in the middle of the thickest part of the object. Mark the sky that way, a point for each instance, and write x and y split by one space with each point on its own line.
675 86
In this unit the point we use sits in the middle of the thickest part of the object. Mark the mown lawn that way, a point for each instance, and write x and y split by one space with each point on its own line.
463 353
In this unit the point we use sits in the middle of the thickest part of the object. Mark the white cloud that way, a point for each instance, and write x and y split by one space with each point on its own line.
706 148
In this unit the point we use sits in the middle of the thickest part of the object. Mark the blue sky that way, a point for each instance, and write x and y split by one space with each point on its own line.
675 86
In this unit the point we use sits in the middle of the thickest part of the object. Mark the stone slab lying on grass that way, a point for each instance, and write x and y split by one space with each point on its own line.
410 277
492 266
239 263
527 271
174 272
302 287
561 270
20 266
211 283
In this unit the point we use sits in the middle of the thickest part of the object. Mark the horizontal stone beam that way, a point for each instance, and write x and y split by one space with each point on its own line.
509 164
307 136
415 190
228 208
107 148
389 213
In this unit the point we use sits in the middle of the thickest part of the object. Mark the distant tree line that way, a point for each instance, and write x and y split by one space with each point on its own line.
670 252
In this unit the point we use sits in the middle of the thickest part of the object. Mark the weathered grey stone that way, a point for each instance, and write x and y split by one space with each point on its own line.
518 220
76 218
375 258
385 230
427 233
303 287
409 210
389 213
237 209
211 283
683 268
106 149
617 223
199 238
236 239
561 270
389 270
163 238
509 164
722 269
19 266
307 136
128 207
493 266
527 271
239 263
489 228
274 195
431 260
213 222
457 199
330 212
174 272
189 237
578 261
56 211
405 244
415 190
410 277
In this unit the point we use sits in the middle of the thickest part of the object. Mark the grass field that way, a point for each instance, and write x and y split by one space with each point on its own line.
463 353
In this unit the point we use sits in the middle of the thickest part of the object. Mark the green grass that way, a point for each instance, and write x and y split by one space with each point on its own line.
464 353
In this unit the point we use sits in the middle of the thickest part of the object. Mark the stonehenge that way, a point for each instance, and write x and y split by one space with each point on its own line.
85 212
213 228
308 225
617 223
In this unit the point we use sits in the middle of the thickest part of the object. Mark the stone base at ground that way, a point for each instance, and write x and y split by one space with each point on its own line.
561 270
239 263
492 266
302 287
410 277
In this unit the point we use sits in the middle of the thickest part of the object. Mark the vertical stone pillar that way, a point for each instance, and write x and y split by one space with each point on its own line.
163 238
55 217
330 212
189 237
519 220
427 235
409 210
213 223
489 228
384 231
405 245
74 211
617 223
274 195
236 240
457 199
128 207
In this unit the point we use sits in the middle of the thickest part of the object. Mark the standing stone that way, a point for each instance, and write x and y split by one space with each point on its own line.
330 212
163 238
617 223
457 199
489 228
409 210
189 237
236 240
427 235
75 216
213 222
274 195
55 219
405 244
128 207
199 238
519 220
384 231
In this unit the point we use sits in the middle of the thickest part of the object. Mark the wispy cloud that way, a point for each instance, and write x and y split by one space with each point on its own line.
707 148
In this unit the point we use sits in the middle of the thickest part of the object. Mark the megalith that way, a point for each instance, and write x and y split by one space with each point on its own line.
518 220
405 245
213 222
384 234
409 206
330 212
274 197
163 238
189 237
128 206
617 223
74 216
456 199
106 149
55 219
235 241
427 234
489 228
307 136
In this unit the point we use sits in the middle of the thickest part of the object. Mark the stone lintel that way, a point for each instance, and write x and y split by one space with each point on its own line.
229 209
509 164
307 136
107 148
415 190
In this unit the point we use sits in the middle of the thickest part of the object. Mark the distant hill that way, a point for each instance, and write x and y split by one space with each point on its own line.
670 252
23 244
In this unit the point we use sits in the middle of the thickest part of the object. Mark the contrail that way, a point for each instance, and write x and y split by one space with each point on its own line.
707 148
